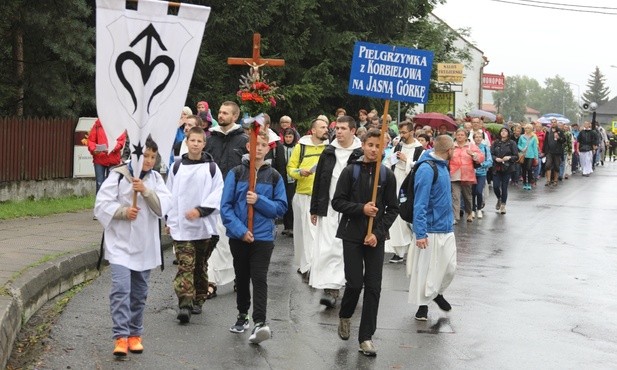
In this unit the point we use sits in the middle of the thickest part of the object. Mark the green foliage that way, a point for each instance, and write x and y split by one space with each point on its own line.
315 38
522 92
58 57
44 207
597 91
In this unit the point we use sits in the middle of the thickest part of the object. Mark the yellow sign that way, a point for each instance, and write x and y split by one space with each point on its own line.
450 72
440 102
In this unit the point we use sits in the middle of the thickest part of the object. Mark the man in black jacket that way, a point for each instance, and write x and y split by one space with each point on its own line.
364 254
227 145
587 143
228 141
553 149
327 270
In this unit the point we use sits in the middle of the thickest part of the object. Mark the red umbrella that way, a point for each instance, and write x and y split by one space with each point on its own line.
435 120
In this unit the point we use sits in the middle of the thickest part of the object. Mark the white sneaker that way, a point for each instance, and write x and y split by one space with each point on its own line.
473 214
479 214
260 333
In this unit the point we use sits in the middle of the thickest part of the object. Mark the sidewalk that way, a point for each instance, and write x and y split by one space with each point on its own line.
39 259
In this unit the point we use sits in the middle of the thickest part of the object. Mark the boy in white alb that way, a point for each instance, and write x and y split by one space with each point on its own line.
132 243
196 185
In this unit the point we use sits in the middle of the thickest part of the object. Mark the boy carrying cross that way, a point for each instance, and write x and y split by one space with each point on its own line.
252 250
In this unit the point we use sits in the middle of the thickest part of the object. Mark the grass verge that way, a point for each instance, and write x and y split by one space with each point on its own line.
44 207
32 340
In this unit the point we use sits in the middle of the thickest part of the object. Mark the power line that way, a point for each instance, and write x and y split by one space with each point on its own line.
554 7
569 5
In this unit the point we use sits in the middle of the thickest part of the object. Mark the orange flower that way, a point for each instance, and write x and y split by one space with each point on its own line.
258 98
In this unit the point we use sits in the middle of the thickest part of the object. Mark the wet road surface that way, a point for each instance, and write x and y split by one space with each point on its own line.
534 288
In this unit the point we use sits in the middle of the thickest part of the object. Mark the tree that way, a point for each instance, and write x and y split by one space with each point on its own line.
557 97
315 38
48 54
597 91
519 93
522 92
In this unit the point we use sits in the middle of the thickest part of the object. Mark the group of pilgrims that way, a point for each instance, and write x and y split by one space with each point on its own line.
319 186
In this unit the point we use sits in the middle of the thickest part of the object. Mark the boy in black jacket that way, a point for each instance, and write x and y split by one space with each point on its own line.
363 254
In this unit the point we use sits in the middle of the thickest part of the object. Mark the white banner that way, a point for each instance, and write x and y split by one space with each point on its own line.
144 64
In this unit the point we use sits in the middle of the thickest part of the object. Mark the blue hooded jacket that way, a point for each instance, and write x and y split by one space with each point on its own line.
432 202
271 202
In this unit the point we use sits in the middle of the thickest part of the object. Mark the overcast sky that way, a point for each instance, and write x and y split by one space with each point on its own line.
541 43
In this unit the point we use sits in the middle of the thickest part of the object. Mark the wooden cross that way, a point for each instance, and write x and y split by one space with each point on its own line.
256 61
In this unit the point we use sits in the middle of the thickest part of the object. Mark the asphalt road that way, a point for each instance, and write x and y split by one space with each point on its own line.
534 289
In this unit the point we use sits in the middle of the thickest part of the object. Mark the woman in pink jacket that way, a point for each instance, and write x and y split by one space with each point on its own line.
101 156
463 173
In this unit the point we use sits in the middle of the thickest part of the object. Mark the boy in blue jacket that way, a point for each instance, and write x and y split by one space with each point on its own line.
252 251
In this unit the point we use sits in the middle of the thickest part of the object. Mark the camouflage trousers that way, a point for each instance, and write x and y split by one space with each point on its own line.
191 281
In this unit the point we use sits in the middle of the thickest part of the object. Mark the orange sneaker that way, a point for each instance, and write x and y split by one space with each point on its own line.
121 347
135 345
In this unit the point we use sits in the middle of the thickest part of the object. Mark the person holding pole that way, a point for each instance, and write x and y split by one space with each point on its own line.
252 249
363 253
132 243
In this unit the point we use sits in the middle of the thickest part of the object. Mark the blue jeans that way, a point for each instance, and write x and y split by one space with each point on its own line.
500 185
127 300
100 174
476 193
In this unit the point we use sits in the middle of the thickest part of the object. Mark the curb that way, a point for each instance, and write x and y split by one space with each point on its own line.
40 284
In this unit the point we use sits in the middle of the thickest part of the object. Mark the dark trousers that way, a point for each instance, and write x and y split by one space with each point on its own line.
251 263
363 267
500 185
516 174
528 171
288 219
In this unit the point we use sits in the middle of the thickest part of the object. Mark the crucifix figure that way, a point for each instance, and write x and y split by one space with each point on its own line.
256 61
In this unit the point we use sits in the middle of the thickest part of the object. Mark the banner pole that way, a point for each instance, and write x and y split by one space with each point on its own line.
382 135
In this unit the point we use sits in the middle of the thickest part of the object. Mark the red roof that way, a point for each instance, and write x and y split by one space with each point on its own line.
489 108
531 111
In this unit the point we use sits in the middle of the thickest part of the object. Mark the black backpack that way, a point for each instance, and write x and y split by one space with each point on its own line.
406 194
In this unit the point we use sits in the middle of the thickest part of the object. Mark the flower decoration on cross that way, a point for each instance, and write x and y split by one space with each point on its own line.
257 95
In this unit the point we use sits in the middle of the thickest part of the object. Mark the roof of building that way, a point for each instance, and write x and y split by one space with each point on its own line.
531 111
489 107
610 107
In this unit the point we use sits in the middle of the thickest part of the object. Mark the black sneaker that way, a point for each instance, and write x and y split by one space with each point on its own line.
196 310
442 303
396 259
422 313
241 324
261 332
328 300
184 315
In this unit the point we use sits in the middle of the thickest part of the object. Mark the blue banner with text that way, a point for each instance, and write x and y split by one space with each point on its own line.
390 72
